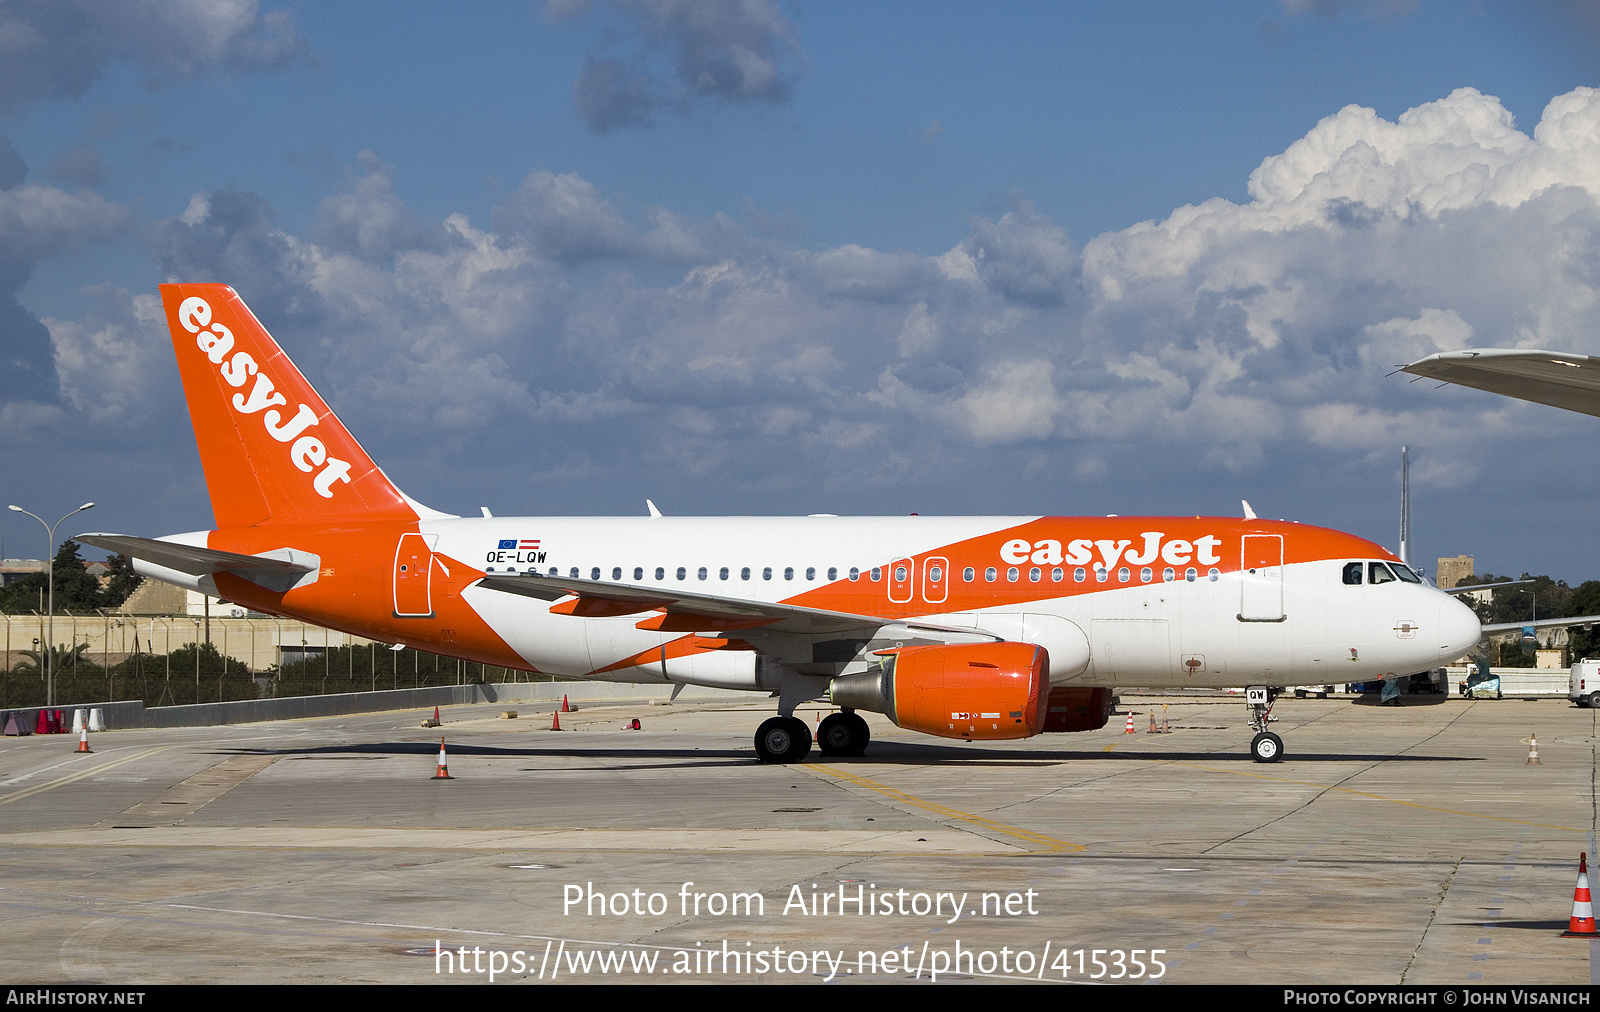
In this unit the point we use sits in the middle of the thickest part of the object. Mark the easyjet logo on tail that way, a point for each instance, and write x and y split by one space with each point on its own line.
306 451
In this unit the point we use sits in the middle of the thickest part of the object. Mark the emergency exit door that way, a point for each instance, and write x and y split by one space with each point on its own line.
1261 578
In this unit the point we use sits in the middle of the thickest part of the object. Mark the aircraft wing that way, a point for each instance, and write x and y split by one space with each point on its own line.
1555 378
1543 623
686 611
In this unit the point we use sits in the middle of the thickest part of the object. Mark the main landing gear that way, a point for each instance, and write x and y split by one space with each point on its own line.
1265 747
788 739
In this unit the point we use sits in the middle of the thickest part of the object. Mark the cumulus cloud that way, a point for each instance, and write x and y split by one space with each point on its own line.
113 365
56 50
731 50
38 221
1227 346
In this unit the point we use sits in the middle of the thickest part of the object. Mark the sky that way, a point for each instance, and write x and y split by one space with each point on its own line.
763 257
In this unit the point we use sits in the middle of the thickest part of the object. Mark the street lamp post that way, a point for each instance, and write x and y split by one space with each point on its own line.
50 608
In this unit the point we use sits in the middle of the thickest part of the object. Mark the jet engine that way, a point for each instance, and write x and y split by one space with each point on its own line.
975 691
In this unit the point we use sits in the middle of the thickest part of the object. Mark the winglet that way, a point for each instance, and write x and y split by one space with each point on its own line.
1249 514
652 506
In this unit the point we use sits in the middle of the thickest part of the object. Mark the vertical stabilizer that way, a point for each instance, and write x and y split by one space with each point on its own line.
272 450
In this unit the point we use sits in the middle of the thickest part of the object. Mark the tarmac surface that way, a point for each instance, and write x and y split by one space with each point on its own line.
1410 845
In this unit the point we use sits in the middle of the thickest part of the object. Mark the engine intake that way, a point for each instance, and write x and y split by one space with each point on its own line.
974 691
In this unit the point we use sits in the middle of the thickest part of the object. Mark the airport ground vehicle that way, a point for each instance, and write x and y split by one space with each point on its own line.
1584 688
963 627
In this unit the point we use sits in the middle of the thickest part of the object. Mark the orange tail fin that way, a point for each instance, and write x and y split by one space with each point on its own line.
272 450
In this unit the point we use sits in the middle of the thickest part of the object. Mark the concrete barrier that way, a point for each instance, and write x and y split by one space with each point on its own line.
134 714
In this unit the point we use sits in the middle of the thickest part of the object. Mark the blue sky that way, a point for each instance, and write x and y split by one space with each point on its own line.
760 257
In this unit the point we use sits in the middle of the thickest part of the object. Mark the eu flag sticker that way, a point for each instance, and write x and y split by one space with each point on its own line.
508 544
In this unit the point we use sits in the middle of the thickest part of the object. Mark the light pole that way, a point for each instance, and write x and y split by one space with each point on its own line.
50 608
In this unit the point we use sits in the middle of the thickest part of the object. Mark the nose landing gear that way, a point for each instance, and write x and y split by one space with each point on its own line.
1265 747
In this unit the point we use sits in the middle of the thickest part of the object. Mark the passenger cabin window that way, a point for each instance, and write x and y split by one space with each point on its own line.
1352 574
661 574
682 572
766 572
969 574
811 572
701 572
616 572
638 572
855 574
722 574
1377 573
877 574
990 574
833 572
788 572
744 574
574 574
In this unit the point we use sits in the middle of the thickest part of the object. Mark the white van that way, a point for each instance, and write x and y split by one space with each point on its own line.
1584 688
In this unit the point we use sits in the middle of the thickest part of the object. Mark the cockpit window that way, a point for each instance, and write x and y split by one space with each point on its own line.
1377 573
1352 574
1405 573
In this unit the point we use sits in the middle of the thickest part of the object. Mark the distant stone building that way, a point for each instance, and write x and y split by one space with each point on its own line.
1453 571
12 570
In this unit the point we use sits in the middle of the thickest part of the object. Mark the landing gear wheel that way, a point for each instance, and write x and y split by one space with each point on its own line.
843 734
783 740
1266 747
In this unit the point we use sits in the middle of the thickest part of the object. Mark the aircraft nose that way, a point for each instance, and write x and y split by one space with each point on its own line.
1459 629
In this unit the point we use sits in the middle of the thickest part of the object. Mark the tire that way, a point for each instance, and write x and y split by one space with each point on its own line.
864 734
1594 700
842 734
1266 747
801 739
782 740
774 739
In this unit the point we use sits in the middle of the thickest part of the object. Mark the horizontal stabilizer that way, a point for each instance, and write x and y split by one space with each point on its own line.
278 570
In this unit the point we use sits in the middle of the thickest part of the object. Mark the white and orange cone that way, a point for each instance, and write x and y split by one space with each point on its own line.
1130 722
1533 751
1581 924
444 769
83 742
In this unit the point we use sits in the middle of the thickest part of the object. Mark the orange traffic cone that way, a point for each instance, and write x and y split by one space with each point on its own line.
555 720
565 706
1533 752
83 741
1581 924
1130 722
444 769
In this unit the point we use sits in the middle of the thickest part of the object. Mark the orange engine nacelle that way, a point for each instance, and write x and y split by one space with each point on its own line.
975 691
1078 709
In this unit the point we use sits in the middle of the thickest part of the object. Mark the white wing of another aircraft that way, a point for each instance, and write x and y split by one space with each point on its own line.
1555 378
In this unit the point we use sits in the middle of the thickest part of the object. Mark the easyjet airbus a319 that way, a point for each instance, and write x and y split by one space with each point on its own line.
976 628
